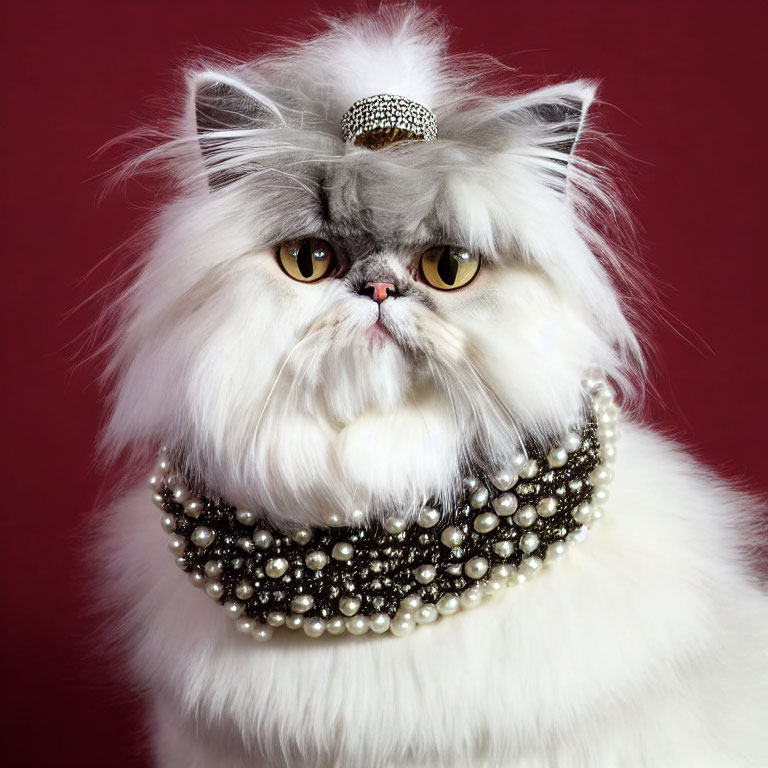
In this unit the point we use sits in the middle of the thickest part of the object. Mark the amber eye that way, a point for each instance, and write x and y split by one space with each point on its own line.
447 266
306 260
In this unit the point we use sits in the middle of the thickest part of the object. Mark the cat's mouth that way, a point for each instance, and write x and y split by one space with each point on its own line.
378 332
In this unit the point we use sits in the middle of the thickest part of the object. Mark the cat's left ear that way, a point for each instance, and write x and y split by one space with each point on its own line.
226 110
555 116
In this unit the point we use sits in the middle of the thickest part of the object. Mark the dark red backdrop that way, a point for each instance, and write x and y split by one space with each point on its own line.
687 82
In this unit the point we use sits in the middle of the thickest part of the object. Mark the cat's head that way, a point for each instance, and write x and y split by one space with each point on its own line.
325 329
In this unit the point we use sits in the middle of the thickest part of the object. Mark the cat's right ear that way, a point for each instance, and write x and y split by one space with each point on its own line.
226 113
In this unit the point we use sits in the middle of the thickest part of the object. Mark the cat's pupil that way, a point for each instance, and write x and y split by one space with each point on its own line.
304 259
447 266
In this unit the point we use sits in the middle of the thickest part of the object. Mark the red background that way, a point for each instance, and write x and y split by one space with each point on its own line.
687 81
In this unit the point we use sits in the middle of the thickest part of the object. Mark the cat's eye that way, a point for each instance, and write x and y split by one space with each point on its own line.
448 267
306 260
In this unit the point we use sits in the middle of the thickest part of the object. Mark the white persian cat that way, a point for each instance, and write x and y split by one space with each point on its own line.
327 336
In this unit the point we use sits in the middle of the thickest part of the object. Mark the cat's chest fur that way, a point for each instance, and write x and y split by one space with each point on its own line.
630 651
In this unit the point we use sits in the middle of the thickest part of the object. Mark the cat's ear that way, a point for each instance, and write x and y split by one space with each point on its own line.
555 116
225 111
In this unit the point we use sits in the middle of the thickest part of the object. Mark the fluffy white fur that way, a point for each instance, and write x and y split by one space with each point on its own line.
645 647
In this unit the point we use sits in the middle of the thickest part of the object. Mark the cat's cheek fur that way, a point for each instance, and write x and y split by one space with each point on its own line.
531 341
632 647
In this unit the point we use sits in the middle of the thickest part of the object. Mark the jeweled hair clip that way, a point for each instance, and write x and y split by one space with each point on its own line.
378 121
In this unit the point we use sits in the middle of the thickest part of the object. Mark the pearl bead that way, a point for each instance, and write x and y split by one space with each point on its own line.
410 603
505 504
379 623
262 633
263 539
246 625
581 514
302 603
600 476
193 508
402 626
472 483
233 609
276 618
246 545
425 574
314 627
492 586
530 469
335 626
181 562
476 568
426 614
197 578
168 522
357 625
526 516
245 517
471 598
504 479
501 572
485 522
157 482
343 551
593 380
158 500
530 566
180 494
579 534
276 568
452 536
214 590
244 590
600 496
557 457
546 507
479 498
448 604
572 442
203 537
529 541
518 462
316 560
556 550
608 435
604 395
428 517
294 621
394 524
302 536
608 452
349 606
177 544
504 548
518 577
334 519
213 568
356 517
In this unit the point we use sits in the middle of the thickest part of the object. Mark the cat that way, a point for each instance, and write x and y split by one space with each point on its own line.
328 334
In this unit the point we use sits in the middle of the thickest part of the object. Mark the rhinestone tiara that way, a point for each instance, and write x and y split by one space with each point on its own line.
378 121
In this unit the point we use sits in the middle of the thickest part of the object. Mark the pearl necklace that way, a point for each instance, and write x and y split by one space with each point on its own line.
395 575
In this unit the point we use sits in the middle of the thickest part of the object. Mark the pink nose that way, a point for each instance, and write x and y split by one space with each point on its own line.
379 291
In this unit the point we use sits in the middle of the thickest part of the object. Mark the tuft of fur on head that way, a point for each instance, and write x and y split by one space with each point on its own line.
274 391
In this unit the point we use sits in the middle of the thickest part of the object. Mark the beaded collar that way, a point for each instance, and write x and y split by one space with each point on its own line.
394 575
